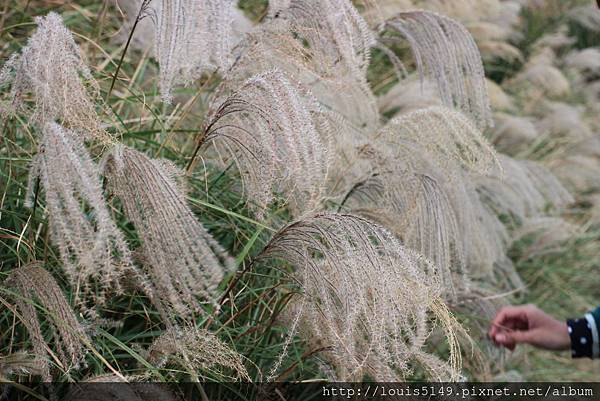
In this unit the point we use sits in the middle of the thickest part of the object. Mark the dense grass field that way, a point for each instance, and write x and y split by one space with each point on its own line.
254 312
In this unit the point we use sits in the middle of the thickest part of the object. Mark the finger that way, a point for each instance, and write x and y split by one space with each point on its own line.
508 317
509 313
504 340
511 339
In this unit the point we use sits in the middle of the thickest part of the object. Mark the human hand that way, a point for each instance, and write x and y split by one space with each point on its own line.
529 325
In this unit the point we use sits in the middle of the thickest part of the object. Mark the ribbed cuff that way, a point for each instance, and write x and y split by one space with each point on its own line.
584 337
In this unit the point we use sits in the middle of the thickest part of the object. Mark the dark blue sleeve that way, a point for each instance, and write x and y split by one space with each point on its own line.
584 335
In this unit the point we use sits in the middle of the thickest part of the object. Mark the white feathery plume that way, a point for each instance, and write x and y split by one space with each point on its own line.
278 136
326 46
418 185
197 351
447 134
191 37
334 31
51 69
92 248
36 286
366 297
184 260
445 52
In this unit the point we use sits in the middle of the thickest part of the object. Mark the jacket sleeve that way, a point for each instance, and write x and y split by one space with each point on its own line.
584 335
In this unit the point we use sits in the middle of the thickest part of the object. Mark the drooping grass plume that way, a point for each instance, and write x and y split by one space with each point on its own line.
37 295
192 37
184 261
446 133
419 187
367 299
326 46
93 250
445 52
197 351
279 138
333 30
414 204
51 70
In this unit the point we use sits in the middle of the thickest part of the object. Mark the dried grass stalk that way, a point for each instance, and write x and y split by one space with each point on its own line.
93 250
185 261
367 298
446 52
36 288
51 69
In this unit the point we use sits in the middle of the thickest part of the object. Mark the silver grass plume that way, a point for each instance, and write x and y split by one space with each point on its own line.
34 285
334 29
326 46
445 133
418 186
192 37
197 351
92 248
406 194
51 69
366 298
445 52
277 135
184 260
